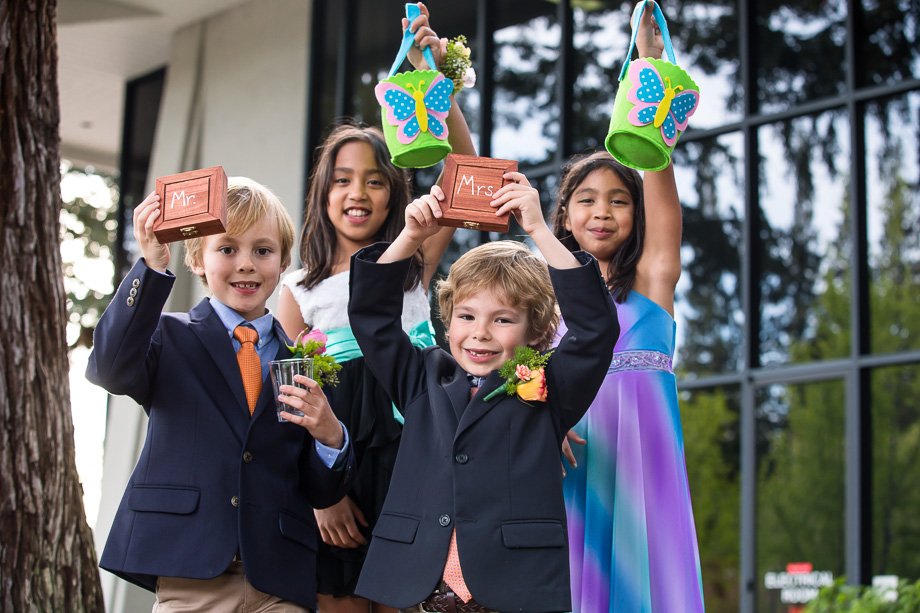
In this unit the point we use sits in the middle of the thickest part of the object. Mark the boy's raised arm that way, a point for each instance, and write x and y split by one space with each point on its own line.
523 201
421 223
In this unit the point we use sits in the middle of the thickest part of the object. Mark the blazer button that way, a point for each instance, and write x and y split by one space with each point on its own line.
444 520
462 458
235 501
130 301
136 283
247 456
132 292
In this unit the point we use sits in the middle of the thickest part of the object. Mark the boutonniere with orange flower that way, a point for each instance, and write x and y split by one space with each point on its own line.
312 345
524 375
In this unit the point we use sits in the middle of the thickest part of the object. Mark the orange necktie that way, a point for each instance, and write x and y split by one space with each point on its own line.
250 366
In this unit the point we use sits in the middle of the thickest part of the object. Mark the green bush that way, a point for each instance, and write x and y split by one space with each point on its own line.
863 599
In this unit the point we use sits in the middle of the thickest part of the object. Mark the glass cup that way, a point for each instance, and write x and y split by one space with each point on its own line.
283 372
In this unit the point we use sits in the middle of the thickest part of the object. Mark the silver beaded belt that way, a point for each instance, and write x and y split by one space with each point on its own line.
640 360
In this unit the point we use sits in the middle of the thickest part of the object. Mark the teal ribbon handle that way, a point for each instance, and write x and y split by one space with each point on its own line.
662 24
412 12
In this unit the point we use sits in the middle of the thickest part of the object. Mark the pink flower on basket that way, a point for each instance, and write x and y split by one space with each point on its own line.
523 372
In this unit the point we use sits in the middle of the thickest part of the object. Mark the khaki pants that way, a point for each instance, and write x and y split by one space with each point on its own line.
230 591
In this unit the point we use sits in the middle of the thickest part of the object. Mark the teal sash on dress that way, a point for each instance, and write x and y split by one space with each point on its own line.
341 344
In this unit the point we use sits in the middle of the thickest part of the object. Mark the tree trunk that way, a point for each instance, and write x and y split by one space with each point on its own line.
47 561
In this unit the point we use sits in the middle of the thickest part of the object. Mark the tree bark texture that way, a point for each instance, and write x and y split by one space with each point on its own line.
47 560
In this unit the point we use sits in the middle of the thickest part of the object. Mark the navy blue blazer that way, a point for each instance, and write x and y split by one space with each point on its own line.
210 480
489 469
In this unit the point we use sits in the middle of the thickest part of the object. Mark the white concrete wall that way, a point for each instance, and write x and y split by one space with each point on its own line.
235 96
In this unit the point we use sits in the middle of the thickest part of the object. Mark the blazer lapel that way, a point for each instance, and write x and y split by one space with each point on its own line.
210 331
457 389
477 407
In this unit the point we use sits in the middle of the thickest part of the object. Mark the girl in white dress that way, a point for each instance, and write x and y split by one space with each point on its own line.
358 197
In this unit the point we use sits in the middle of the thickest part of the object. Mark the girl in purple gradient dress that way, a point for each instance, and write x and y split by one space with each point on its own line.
632 540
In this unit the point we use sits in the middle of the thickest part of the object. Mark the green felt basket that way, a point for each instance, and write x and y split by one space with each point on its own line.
654 100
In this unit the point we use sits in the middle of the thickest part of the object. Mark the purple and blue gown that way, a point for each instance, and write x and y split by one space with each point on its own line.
632 540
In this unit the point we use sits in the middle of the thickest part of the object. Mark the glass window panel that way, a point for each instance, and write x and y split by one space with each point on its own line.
800 52
376 40
896 471
893 177
889 44
800 485
708 306
323 91
526 110
711 448
600 40
805 269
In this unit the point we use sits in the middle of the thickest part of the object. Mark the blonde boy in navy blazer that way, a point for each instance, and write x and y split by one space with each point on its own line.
484 474
219 508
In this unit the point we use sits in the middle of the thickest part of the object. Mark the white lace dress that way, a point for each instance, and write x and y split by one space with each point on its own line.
326 305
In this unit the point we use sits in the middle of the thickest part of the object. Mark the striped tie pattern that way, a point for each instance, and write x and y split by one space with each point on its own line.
250 366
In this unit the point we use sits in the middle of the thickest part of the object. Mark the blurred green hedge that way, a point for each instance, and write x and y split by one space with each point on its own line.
864 599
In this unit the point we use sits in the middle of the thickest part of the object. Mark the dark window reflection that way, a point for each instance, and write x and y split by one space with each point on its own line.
893 169
600 43
706 45
800 483
708 309
889 44
711 446
325 79
800 52
526 112
376 40
896 471
805 242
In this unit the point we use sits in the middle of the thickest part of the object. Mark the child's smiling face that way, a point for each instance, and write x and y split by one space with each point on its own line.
358 200
484 331
242 271
600 214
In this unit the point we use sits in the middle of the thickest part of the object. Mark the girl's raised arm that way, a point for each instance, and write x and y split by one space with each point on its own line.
659 267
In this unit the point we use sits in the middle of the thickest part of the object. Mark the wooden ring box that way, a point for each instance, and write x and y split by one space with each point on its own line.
192 204
469 185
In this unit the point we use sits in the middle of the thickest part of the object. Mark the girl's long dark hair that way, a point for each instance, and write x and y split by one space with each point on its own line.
621 273
318 238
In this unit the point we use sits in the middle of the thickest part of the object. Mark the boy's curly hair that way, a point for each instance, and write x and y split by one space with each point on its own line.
519 275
